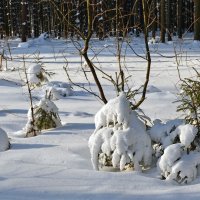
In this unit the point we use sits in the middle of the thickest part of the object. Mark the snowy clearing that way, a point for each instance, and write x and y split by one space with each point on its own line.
57 163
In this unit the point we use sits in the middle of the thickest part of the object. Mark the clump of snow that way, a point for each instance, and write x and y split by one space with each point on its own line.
162 133
179 162
120 139
176 164
154 40
85 65
187 169
36 74
58 90
4 141
187 134
45 117
24 45
171 154
42 39
165 134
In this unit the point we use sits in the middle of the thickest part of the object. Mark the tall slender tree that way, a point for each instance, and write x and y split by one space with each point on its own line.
196 20
179 18
24 20
162 23
168 21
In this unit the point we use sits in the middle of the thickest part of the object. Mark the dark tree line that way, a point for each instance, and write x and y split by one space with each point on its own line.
29 18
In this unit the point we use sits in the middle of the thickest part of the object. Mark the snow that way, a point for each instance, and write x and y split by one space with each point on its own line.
33 74
176 165
24 45
57 89
42 111
187 134
186 169
120 136
4 142
41 40
163 133
56 164
171 154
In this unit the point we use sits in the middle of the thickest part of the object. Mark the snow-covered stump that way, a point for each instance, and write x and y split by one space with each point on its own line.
120 139
4 141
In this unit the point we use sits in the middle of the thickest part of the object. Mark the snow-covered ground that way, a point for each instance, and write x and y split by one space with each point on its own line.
57 163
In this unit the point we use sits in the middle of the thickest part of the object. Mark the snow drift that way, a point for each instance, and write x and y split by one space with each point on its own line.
4 142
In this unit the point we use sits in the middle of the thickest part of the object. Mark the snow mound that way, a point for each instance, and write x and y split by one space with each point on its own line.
24 45
42 39
154 40
150 89
58 90
120 139
4 141
153 89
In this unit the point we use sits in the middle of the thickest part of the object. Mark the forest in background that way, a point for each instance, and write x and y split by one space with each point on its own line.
69 18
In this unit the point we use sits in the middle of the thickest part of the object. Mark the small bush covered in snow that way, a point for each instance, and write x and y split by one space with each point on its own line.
45 117
120 139
176 164
162 135
181 145
189 99
180 161
4 141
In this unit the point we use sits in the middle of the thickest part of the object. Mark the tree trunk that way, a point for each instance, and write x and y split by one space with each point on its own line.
7 19
155 18
196 19
85 52
24 21
168 21
162 23
179 18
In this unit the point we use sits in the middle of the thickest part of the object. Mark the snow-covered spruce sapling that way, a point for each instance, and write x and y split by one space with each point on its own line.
190 104
120 139
178 143
162 135
30 131
45 117
37 74
176 162
34 76
4 141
